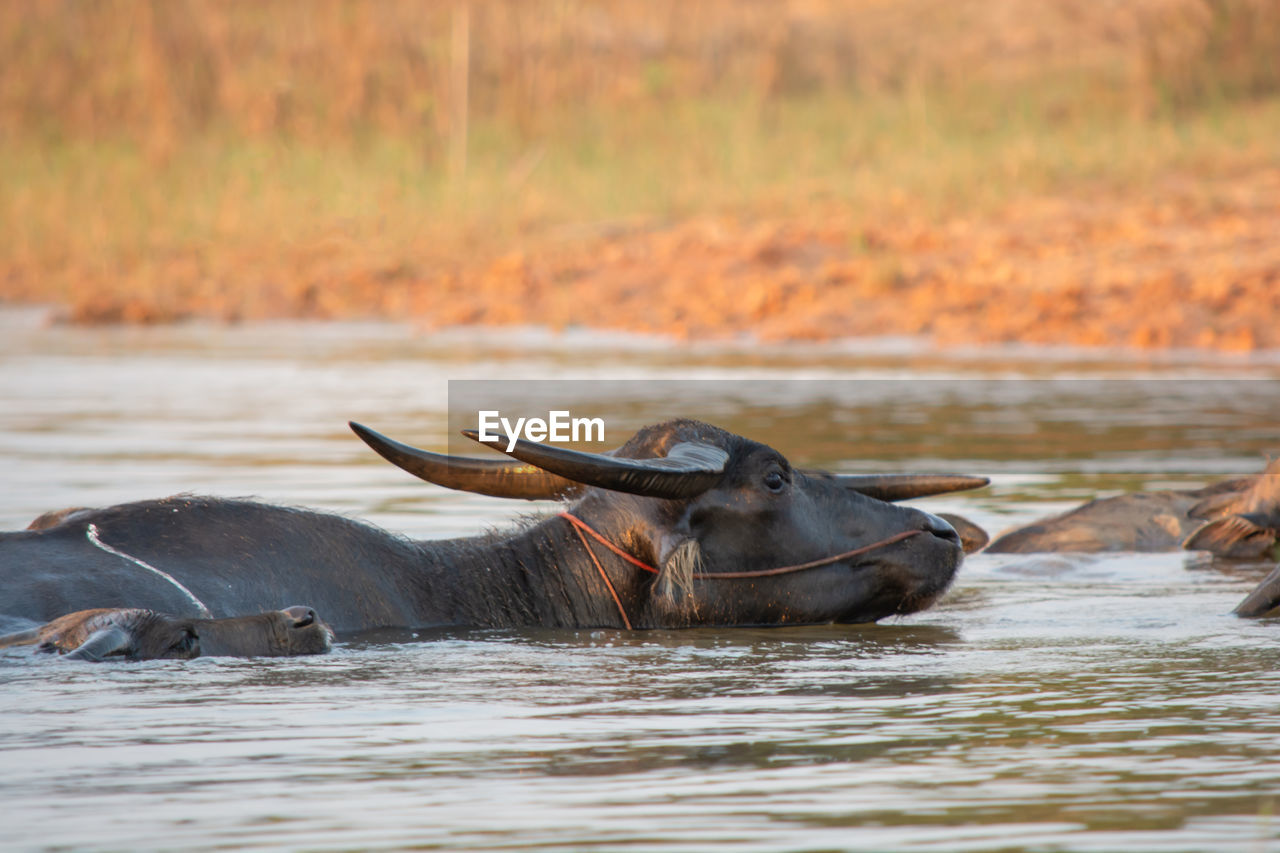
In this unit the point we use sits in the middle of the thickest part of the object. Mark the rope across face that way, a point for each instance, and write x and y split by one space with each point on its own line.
581 527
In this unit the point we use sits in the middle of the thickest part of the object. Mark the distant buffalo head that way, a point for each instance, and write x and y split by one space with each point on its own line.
729 524
139 634
292 631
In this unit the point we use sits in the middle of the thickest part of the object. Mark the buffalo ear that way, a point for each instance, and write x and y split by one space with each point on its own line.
112 640
1233 536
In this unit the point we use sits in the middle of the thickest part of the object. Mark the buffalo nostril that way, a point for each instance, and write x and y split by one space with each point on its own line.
940 528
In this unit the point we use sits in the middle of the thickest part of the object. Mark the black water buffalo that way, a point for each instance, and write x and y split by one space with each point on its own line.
136 634
686 524
1237 518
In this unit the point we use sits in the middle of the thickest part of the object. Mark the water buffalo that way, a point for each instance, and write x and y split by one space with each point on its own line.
136 634
1236 518
685 524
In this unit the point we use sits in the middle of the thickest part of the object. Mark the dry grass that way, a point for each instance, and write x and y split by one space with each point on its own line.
240 160
320 70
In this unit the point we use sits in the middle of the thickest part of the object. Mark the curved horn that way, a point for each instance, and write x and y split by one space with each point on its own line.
688 469
1265 597
900 487
498 478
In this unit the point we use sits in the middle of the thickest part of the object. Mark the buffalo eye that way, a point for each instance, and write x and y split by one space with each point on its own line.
774 481
188 644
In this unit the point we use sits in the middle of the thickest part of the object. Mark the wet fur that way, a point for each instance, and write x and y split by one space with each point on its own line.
675 577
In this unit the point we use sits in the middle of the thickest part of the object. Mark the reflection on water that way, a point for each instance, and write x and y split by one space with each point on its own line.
1064 703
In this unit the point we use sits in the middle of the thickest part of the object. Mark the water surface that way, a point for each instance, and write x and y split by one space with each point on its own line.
1047 703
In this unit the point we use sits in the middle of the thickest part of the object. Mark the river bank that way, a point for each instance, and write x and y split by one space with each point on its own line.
1185 263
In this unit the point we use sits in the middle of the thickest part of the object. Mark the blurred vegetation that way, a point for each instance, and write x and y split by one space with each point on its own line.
142 138
318 71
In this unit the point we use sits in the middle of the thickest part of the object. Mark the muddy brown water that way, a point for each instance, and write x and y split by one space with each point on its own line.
1066 702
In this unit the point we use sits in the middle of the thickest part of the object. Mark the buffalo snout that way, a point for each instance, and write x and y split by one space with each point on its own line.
301 616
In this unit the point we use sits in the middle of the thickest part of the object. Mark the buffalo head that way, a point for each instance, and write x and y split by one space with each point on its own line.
294 630
139 634
728 523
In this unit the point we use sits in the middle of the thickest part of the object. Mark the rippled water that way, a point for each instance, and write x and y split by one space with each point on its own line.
1048 703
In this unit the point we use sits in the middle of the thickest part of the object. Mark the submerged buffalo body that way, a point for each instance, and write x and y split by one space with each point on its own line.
138 634
1235 518
686 524
1238 519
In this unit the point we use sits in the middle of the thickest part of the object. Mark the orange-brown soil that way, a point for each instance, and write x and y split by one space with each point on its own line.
1185 263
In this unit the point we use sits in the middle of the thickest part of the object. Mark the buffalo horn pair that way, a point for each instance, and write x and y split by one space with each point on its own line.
545 472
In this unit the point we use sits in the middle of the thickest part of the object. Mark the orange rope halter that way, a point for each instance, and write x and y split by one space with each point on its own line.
580 527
